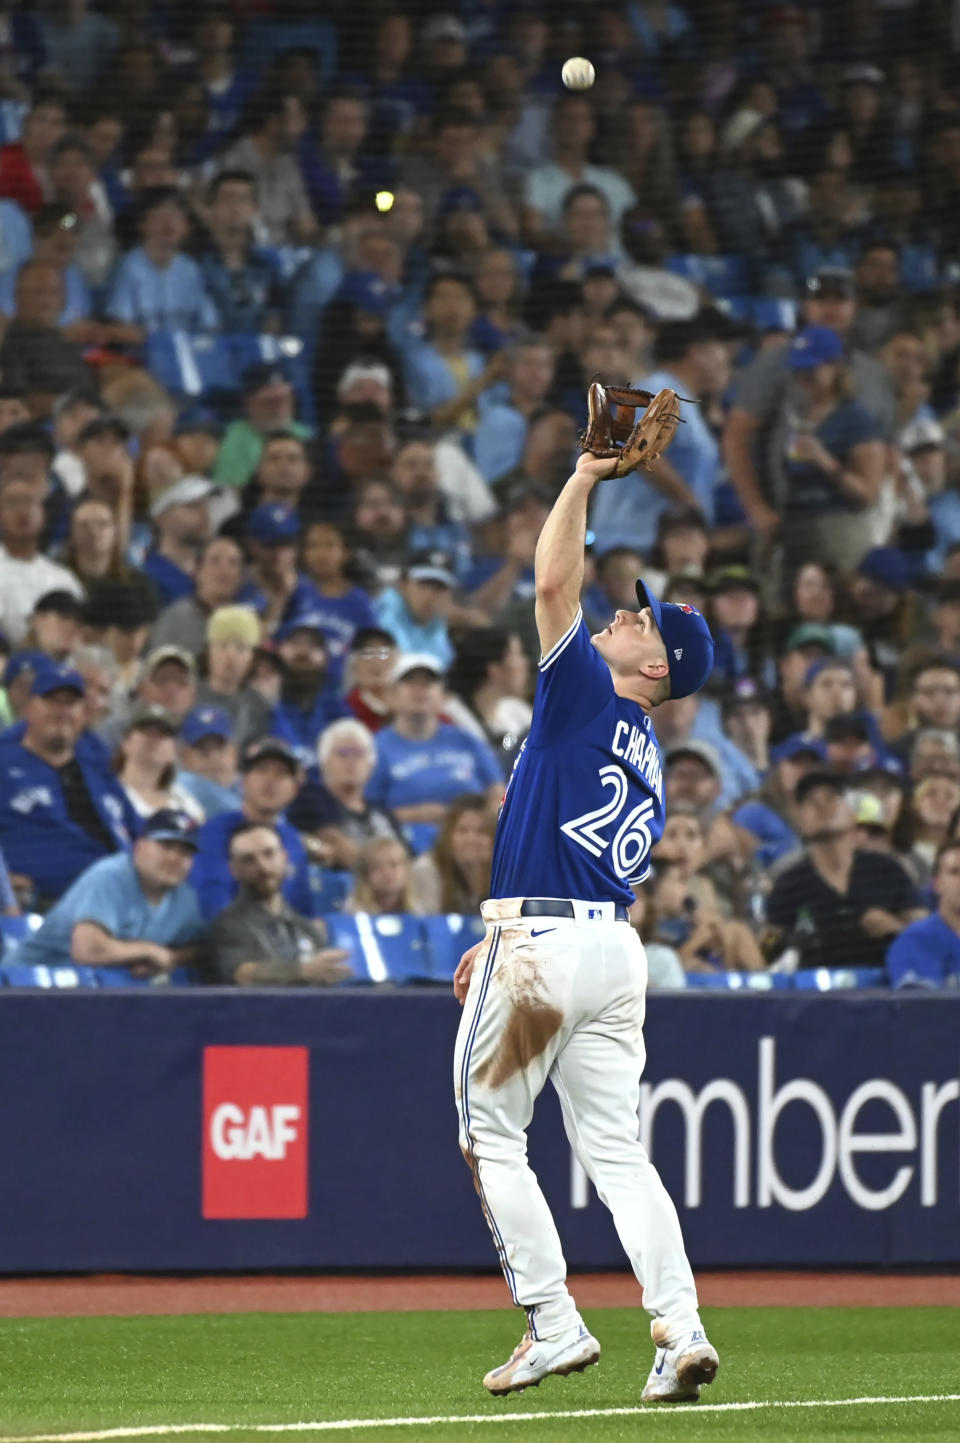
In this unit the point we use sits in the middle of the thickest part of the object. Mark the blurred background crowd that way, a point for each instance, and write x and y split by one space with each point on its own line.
298 309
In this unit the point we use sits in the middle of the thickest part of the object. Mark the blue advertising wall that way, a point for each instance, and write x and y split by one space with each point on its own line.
796 1130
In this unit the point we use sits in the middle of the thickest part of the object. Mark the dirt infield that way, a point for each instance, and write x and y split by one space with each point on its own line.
115 1296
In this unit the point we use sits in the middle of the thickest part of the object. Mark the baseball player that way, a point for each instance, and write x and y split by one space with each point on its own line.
556 988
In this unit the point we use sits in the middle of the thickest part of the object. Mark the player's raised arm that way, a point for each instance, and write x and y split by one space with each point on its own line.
559 560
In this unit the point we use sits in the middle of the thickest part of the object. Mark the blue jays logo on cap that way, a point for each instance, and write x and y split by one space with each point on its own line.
686 636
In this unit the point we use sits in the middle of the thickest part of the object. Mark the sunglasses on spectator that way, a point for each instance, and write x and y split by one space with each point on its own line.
375 653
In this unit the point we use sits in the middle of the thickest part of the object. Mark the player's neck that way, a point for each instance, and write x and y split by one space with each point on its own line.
628 689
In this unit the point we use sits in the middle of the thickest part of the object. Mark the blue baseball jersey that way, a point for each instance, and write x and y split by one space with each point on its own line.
584 803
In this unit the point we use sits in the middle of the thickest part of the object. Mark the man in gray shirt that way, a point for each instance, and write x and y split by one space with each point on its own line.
259 940
763 388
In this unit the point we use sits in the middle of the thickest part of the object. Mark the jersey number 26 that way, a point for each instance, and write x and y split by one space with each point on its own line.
631 841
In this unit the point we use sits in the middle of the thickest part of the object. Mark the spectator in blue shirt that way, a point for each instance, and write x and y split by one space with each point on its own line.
275 588
208 760
134 910
338 605
694 357
422 762
271 779
429 527
156 287
309 699
181 523
54 241
501 434
242 280
927 953
441 370
61 808
415 611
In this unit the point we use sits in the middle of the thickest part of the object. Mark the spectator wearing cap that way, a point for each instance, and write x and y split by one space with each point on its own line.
217 582
755 422
208 760
734 613
272 127
275 588
168 679
441 369
367 677
181 525
923 446
271 779
233 635
25 573
829 690
259 939
838 905
146 764
36 356
55 625
331 811
422 762
694 361
156 287
430 525
693 777
338 603
415 611
268 406
830 457
927 952
573 131
241 278
770 817
135 910
60 806
504 421
309 700
886 610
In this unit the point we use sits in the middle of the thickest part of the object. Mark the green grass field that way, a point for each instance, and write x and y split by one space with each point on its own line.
90 1374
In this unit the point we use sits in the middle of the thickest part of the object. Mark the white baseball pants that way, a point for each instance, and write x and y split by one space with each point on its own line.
564 998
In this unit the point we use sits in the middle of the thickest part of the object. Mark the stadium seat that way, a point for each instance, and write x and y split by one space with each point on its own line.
22 974
448 937
721 275
284 352
830 979
329 889
740 981
14 929
382 949
191 365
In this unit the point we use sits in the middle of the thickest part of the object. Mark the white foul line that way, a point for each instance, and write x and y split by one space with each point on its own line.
344 1425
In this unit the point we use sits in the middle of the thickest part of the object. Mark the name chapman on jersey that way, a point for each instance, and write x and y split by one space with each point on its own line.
639 747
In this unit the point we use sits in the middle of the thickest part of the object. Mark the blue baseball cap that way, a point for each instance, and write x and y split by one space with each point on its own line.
302 621
814 346
168 825
886 566
273 524
22 661
367 291
57 678
686 636
798 746
205 721
460 197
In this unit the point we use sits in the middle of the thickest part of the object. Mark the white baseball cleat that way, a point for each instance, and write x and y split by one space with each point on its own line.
536 1358
680 1370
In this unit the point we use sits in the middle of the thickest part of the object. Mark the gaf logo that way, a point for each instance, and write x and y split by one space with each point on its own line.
255 1132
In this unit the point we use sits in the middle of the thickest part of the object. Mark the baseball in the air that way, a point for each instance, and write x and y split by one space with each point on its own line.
578 73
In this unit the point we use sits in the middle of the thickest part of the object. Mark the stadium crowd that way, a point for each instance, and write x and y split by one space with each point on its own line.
298 315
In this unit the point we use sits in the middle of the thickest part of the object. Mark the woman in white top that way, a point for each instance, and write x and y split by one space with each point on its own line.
146 765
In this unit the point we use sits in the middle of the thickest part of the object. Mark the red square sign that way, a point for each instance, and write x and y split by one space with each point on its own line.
255 1132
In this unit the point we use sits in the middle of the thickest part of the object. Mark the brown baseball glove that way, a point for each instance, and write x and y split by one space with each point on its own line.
614 430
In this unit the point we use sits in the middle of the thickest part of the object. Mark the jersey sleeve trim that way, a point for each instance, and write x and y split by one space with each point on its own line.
558 647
